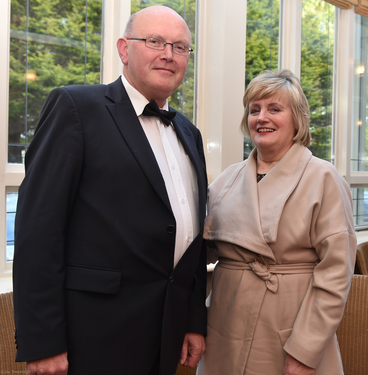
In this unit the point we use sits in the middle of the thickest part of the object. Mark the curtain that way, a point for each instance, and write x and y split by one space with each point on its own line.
360 6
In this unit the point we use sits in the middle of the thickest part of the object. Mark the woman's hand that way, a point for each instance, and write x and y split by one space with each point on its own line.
294 367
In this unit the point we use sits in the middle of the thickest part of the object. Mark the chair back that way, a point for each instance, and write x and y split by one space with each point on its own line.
362 258
352 333
7 341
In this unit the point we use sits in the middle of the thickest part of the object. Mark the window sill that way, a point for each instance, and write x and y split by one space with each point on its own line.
362 236
6 283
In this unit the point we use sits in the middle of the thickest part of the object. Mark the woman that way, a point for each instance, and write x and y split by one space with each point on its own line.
281 226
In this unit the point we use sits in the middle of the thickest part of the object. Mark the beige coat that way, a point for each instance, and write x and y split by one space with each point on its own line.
298 220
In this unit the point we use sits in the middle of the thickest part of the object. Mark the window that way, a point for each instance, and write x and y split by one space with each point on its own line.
262 40
359 140
360 206
318 30
11 206
359 134
52 44
262 43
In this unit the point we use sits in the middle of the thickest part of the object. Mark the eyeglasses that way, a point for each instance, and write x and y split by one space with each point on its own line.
160 44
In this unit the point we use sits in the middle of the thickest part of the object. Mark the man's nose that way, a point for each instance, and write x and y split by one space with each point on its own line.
168 51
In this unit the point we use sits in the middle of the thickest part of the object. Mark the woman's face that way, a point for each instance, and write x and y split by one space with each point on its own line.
271 124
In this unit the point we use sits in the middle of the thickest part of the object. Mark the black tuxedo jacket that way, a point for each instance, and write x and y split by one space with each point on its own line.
95 237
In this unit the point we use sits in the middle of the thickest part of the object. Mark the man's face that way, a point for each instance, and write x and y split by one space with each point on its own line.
155 74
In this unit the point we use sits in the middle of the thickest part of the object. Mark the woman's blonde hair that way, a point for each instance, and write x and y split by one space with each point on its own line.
283 82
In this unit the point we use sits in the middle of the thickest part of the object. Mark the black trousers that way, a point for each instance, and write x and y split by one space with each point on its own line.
156 367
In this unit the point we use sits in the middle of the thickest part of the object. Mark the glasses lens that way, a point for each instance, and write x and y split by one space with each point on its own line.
181 49
155 43
160 44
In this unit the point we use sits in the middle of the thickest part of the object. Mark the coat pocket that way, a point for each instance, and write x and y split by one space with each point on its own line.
88 279
284 335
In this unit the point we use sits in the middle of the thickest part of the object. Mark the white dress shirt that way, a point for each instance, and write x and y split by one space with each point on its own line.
177 171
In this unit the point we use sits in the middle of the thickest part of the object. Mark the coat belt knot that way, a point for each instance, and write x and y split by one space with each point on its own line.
271 280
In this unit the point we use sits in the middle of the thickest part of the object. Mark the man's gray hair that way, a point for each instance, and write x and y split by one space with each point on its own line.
128 32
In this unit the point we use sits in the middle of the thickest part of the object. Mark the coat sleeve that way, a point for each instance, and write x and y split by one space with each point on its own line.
53 166
197 309
333 238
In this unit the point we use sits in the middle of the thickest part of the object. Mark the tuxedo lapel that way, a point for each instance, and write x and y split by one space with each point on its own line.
126 120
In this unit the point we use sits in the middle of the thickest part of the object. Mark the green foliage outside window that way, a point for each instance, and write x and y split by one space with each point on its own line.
317 71
262 43
262 40
52 43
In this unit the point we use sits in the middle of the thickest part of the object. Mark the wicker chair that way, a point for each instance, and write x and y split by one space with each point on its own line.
362 258
7 345
353 330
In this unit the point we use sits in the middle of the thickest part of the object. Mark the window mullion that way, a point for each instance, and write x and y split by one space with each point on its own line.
115 16
221 77
4 89
291 36
343 90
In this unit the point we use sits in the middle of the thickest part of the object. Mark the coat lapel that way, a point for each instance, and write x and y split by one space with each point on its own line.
234 212
279 184
255 208
121 109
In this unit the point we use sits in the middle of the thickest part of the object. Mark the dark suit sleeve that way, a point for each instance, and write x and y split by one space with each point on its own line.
53 166
197 309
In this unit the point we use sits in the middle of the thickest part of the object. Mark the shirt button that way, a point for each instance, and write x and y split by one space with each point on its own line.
182 200
170 229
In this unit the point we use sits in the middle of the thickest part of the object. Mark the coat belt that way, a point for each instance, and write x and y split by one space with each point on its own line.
267 272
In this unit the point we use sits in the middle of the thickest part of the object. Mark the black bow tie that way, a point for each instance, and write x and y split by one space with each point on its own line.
152 109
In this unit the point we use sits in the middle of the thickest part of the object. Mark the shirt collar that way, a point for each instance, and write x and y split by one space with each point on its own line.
138 100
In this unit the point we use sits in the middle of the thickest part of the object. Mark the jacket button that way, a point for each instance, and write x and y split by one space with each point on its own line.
170 229
171 279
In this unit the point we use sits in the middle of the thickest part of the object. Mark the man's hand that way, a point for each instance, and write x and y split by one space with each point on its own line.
294 367
193 348
56 365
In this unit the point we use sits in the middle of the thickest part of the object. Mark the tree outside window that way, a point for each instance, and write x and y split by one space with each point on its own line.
318 29
52 43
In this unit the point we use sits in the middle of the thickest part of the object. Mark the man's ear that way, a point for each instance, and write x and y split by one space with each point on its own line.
122 45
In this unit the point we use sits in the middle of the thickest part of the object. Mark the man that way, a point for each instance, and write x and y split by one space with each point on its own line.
109 265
